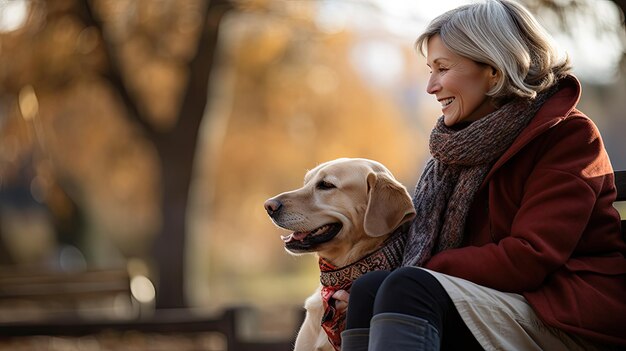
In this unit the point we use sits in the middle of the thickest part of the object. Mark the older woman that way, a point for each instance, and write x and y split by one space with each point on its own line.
518 241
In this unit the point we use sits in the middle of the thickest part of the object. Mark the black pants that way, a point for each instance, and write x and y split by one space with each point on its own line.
413 292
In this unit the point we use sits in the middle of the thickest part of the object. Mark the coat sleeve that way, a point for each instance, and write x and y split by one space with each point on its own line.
558 199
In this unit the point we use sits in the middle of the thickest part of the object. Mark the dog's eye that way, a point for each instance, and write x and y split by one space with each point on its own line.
324 185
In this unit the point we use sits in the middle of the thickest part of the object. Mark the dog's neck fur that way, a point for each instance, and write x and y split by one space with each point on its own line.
354 252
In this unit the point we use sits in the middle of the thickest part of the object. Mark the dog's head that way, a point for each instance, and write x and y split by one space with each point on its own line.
346 207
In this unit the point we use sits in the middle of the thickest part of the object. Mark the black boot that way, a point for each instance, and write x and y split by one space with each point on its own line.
399 332
355 339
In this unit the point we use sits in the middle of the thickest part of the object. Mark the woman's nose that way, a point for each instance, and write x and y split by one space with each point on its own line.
433 85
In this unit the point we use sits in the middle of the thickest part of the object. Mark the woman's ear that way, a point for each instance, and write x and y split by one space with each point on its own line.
389 205
495 76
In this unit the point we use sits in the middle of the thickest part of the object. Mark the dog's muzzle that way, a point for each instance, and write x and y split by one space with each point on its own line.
300 241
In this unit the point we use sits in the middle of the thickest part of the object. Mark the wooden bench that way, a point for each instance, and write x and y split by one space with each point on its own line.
176 322
46 285
38 305
39 293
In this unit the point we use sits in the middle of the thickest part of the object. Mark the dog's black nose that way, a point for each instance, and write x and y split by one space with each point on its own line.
272 206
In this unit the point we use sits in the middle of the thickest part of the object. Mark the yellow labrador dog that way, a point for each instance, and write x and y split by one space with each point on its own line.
346 211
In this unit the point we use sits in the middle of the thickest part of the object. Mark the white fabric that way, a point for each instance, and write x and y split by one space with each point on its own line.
505 321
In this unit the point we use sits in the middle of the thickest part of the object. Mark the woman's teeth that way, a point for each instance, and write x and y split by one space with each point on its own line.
446 102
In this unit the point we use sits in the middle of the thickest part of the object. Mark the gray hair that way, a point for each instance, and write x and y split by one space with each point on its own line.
504 35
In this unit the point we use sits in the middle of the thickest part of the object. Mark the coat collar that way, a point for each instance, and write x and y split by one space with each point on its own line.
554 110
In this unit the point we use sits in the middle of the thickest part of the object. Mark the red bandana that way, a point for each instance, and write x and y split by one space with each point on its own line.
387 257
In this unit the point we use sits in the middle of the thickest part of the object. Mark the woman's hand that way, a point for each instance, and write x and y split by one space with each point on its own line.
341 300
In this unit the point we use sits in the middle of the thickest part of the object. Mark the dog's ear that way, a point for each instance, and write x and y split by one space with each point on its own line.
389 205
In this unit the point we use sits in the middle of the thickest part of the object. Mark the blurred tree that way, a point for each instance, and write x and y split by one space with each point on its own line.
157 58
563 6
565 10
175 143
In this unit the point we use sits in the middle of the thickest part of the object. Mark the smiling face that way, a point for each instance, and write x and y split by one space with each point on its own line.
460 84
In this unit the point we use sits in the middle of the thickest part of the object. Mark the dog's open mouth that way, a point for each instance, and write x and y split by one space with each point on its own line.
306 241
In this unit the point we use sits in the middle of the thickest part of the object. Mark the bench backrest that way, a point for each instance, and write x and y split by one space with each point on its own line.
620 184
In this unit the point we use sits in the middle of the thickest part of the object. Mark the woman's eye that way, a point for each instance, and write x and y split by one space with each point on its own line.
324 185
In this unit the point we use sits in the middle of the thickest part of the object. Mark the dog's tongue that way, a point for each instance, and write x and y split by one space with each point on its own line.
298 236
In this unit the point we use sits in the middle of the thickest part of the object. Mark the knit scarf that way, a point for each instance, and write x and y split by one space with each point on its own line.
387 257
461 158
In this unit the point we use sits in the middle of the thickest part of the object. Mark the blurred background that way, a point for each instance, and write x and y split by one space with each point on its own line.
139 140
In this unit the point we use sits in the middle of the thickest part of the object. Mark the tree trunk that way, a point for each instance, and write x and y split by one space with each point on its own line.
176 149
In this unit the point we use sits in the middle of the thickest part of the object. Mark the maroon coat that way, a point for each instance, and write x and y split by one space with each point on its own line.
543 225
